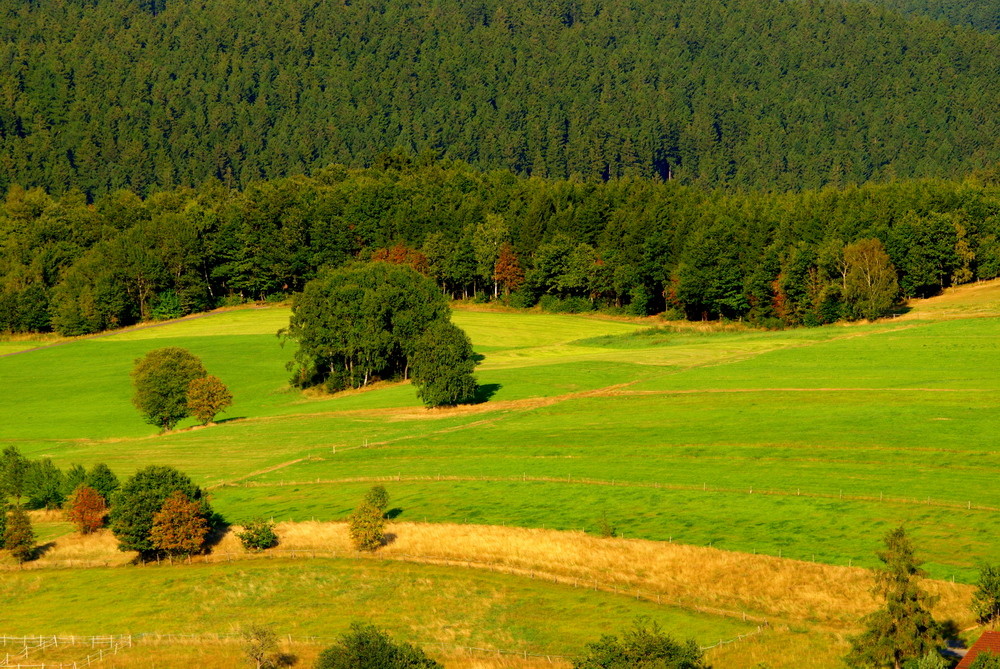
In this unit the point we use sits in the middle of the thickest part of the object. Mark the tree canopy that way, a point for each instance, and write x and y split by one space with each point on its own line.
360 323
161 380
748 93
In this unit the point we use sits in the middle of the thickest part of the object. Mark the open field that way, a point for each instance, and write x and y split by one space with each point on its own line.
807 444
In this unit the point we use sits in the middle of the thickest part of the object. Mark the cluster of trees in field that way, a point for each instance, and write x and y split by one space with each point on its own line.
380 320
108 94
171 384
637 245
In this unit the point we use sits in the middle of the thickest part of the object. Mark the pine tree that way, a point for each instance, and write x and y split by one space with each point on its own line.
903 629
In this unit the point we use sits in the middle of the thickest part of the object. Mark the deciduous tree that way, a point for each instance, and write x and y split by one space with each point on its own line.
645 645
18 536
870 285
86 509
179 527
207 397
161 379
367 527
141 498
258 534
443 362
367 647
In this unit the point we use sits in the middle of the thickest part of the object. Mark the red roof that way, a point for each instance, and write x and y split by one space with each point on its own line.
988 641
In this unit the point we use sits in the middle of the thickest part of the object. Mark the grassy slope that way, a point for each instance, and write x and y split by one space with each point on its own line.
901 409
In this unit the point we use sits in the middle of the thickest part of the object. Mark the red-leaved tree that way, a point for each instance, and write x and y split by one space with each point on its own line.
179 528
87 509
507 271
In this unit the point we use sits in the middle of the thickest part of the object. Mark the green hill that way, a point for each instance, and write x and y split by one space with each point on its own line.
752 93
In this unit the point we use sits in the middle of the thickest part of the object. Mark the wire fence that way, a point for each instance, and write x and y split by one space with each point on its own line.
570 479
36 644
115 643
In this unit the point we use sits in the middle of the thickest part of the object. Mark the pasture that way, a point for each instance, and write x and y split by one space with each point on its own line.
806 444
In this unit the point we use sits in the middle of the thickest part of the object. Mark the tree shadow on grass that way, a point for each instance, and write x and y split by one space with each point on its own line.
485 392
40 550
388 538
393 513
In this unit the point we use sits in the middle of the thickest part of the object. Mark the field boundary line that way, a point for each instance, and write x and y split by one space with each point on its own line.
570 479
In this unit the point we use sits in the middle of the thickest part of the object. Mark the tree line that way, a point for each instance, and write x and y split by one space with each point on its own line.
638 246
101 95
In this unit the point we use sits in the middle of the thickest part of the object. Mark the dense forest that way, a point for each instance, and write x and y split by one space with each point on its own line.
979 14
635 245
99 95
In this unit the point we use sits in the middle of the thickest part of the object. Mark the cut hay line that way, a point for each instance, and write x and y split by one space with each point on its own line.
705 488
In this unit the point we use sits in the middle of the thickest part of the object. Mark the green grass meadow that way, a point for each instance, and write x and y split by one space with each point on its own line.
904 410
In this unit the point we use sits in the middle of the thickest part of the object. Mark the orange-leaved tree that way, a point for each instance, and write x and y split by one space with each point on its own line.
87 509
179 528
208 397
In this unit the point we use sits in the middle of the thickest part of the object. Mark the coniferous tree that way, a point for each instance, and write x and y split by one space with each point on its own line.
903 629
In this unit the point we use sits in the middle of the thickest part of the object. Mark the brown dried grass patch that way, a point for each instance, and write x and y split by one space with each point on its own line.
685 575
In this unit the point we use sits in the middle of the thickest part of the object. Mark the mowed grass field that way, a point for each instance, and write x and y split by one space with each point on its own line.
806 444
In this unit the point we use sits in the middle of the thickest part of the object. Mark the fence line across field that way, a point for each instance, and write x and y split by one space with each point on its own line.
618 483
119 642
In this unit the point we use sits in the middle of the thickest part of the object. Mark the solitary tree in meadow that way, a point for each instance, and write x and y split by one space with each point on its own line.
207 397
903 629
161 379
86 509
259 644
13 468
179 528
645 645
367 527
378 497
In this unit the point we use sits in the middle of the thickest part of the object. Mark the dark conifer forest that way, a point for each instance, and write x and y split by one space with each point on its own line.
766 94
745 159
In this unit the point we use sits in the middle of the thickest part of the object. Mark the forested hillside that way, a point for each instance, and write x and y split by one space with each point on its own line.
107 94
637 245
979 14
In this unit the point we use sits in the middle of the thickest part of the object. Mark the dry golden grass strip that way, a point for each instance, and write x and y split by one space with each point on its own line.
685 575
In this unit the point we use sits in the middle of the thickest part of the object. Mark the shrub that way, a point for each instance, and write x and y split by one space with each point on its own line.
986 660
161 381
87 509
367 527
367 647
18 536
259 644
258 535
207 397
179 527
986 598
645 645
